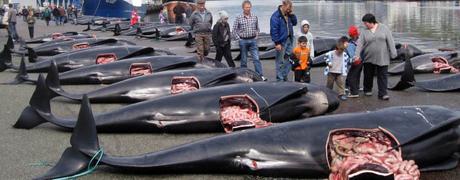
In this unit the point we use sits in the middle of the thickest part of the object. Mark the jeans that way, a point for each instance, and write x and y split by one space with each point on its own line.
282 65
62 20
57 20
12 30
382 78
251 45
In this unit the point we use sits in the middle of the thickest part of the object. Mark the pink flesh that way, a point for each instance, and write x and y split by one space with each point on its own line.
140 70
80 46
56 35
441 65
104 59
348 151
180 85
234 117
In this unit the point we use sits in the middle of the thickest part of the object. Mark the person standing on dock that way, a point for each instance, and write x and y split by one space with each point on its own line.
12 19
375 48
201 22
179 12
47 15
282 33
31 23
245 30
221 38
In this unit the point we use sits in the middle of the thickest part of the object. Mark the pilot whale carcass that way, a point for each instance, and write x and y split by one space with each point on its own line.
214 109
58 36
366 145
119 70
78 59
423 63
441 84
59 47
161 84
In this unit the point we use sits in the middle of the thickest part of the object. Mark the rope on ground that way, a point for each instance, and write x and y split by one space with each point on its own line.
91 168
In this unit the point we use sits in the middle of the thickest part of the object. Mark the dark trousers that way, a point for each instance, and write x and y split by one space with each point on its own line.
31 32
382 78
353 78
301 76
225 52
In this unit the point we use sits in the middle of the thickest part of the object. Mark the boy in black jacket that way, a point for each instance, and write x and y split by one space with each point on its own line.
221 39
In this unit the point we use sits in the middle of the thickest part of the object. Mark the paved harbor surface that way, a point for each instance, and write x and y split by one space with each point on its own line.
21 150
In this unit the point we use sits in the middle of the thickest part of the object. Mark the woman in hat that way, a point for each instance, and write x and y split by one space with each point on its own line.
221 39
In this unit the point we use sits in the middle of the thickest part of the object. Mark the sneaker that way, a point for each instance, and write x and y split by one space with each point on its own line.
264 78
353 95
386 98
343 97
347 91
368 93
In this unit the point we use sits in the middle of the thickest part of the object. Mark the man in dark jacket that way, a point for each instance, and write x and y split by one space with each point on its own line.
221 39
282 33
201 22
56 15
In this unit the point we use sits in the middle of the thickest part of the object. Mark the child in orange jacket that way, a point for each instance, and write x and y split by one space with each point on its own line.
301 60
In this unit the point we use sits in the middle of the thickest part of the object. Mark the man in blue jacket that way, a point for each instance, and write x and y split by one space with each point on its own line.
282 34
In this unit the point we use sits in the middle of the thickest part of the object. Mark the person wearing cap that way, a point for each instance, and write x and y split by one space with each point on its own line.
245 30
354 73
375 48
221 39
201 22
282 34
305 31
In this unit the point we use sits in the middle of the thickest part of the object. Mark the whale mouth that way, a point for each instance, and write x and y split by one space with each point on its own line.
140 69
82 45
105 58
181 84
239 112
355 152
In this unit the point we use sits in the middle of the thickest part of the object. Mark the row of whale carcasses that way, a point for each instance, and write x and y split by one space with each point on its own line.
138 73
287 150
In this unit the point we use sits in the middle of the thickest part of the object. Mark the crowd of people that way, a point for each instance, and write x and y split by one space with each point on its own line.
29 15
369 51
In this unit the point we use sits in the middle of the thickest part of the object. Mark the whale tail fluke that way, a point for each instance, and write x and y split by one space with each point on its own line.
5 59
84 142
407 78
22 75
39 102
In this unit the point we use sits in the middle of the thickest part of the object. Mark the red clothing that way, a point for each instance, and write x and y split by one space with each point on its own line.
303 55
134 18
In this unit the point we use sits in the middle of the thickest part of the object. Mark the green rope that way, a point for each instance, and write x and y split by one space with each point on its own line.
90 168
